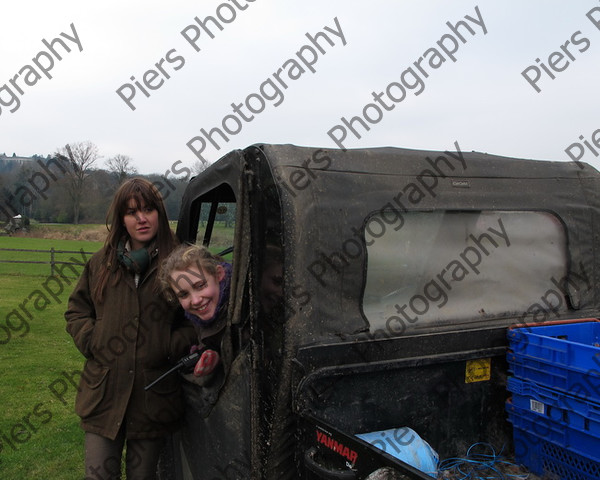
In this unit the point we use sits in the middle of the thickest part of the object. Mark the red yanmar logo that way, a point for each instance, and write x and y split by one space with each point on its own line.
337 447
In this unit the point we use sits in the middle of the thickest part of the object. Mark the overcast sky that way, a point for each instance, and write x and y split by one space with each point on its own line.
481 100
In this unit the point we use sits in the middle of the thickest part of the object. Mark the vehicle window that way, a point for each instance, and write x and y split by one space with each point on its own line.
436 268
221 236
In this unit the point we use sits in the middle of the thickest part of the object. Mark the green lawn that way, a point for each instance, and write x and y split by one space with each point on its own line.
39 432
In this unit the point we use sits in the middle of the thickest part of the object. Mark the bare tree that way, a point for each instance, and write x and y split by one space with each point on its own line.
121 166
79 158
198 167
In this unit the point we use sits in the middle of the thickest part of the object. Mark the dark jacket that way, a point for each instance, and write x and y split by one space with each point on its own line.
128 340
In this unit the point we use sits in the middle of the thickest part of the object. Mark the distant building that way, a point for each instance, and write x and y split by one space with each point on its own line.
15 158
7 162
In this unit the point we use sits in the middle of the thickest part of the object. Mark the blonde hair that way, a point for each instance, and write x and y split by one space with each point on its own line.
182 258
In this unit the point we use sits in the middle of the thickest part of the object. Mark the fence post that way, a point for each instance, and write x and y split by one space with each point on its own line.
52 261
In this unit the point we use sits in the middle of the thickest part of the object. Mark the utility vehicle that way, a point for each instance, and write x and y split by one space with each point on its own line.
372 290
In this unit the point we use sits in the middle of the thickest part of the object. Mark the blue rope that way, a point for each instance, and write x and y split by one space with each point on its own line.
479 466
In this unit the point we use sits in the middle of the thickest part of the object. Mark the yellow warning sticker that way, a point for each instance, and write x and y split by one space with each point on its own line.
478 370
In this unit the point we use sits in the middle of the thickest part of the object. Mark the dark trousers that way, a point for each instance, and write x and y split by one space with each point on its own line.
103 457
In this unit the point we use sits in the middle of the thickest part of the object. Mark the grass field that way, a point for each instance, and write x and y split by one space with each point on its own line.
39 432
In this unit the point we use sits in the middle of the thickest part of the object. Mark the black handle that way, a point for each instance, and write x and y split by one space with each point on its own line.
323 472
186 362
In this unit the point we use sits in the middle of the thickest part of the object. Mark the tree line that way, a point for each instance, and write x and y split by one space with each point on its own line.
69 186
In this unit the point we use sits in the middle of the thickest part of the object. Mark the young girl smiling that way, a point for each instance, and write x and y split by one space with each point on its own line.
200 282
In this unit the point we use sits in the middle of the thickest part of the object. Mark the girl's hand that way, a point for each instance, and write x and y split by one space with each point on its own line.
207 363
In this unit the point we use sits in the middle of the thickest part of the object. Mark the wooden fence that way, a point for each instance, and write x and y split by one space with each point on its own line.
52 262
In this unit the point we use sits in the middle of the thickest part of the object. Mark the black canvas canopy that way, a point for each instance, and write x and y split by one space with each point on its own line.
326 196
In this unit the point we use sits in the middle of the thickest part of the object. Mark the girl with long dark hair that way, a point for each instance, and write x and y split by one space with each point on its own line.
129 335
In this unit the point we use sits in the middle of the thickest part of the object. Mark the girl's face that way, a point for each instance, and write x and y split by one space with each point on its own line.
197 291
141 224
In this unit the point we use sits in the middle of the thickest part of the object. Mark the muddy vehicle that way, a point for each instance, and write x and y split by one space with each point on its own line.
372 290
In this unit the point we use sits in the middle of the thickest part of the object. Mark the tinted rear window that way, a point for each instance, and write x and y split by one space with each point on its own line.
453 267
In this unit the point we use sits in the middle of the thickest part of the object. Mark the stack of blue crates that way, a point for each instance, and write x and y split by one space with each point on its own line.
555 403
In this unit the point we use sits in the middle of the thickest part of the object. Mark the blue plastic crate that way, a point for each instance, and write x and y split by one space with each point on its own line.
574 344
573 411
562 356
550 460
558 432
582 384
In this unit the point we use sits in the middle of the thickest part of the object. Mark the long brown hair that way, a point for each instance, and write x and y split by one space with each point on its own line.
142 192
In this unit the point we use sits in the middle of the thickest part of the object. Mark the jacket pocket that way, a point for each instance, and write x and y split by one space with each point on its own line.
92 388
164 402
95 340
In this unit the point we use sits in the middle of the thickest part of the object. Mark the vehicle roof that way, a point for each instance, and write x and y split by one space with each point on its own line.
404 161
326 193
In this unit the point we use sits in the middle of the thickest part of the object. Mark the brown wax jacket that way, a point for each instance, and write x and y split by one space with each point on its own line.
129 339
